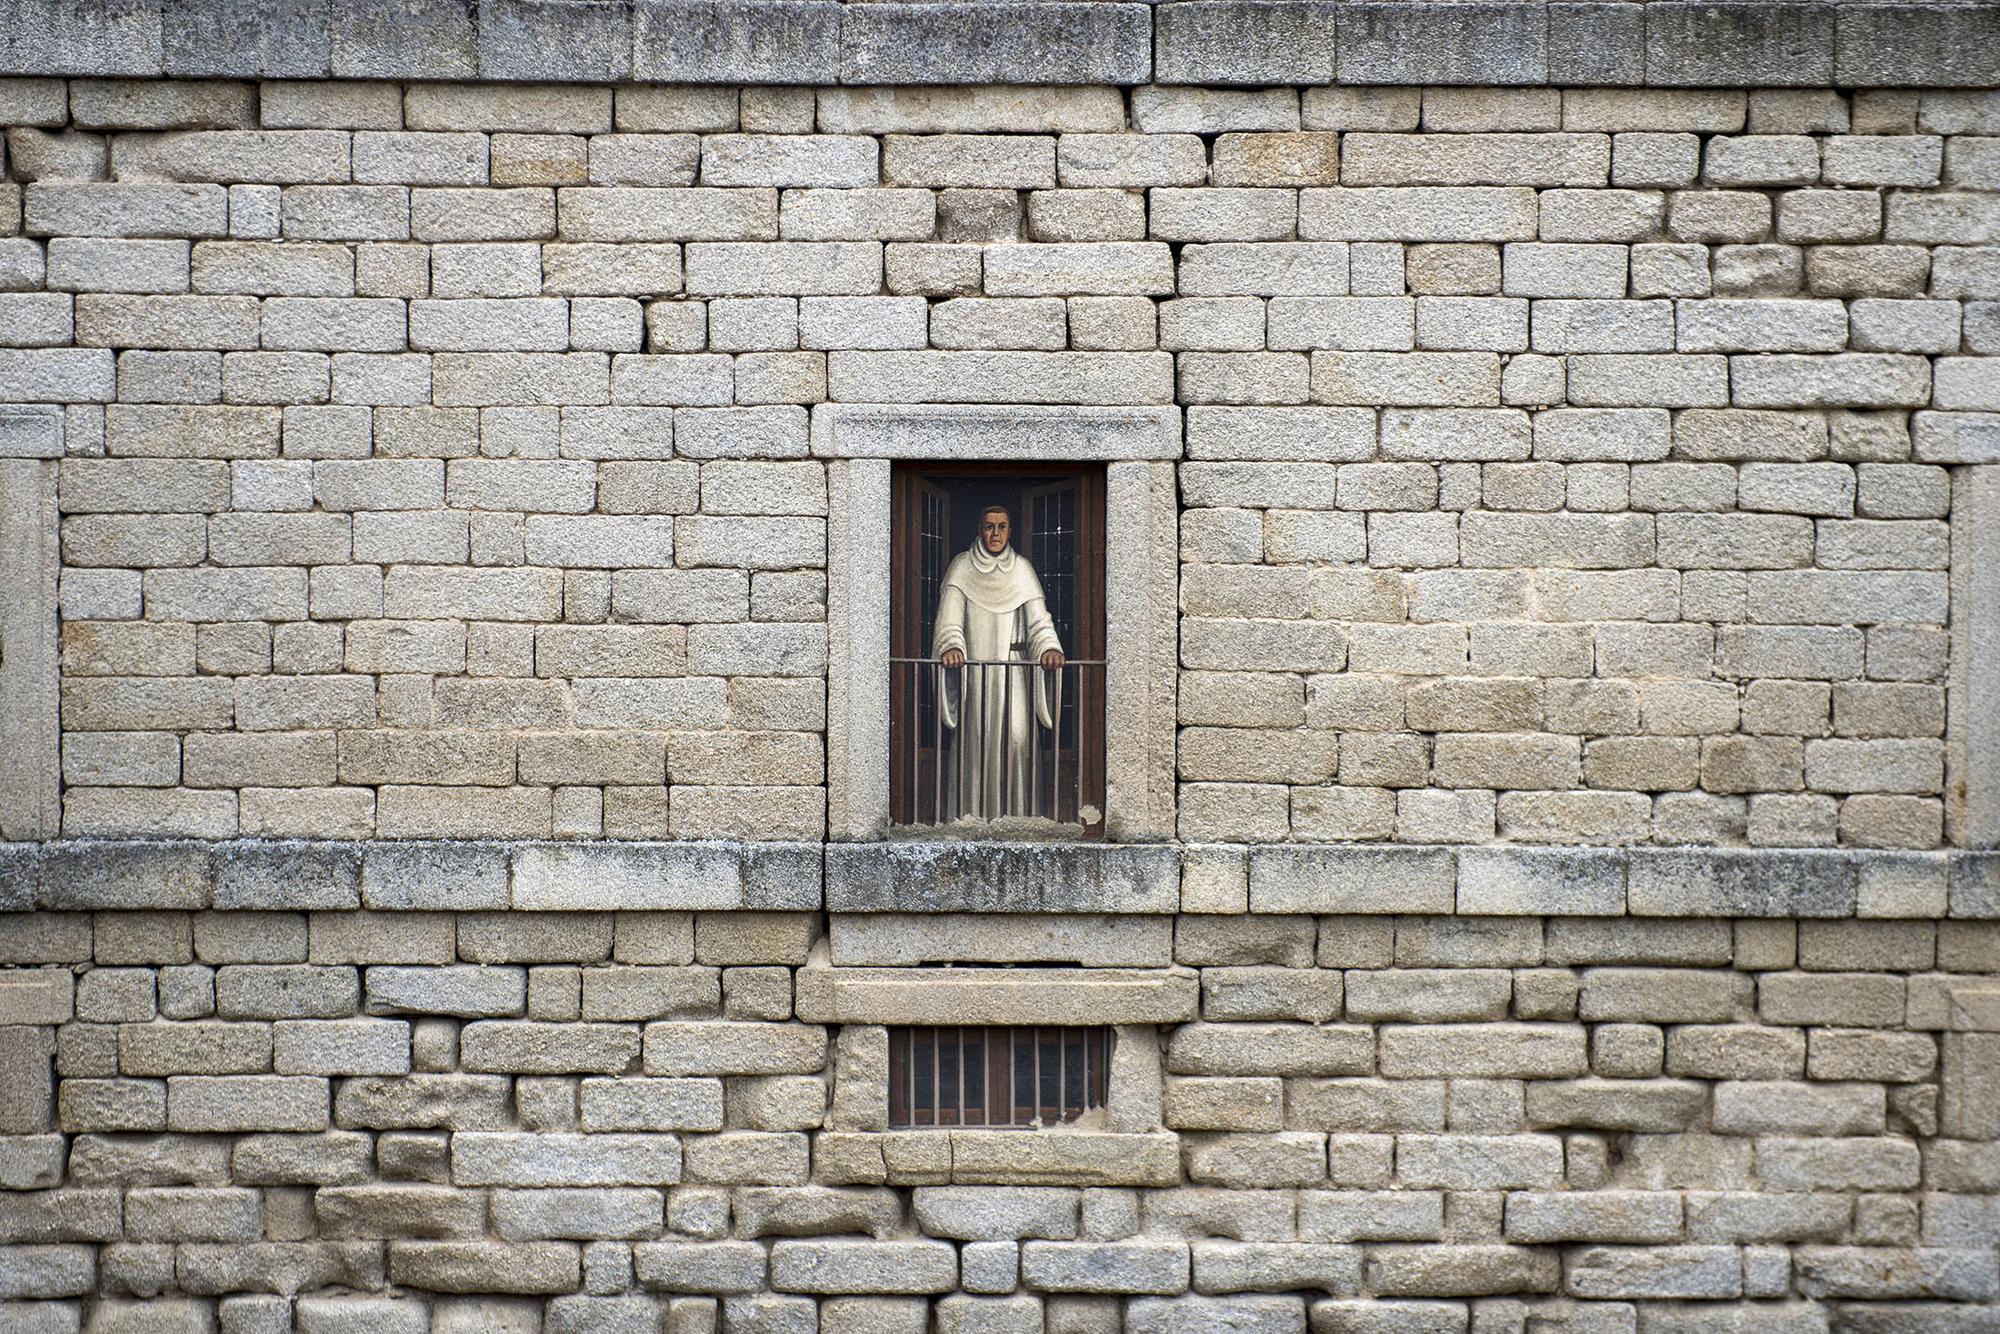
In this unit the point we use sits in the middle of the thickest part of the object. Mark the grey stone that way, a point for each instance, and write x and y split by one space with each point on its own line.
1597 43
1661 1271
602 1315
421 1102
31 433
1973 749
32 1162
272 39
1139 1266
206 1104
736 41
1735 43
848 1266
406 39
812 1211
29 705
279 1266
1957 437
1006 878
543 40
722 1267
547 1160
994 996
1618 940
1729 883
676 876
1938 46
1005 41
1477 42
892 939
863 430
454 876
287 876
101 37
1351 880
484 1266
125 875
1975 884
782 876
27 1080
1269 1314
1566 882
992 1213
1260 42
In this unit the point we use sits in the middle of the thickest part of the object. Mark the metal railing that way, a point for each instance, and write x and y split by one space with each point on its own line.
998 1077
977 744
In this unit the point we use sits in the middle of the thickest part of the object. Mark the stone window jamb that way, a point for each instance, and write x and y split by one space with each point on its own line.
1141 587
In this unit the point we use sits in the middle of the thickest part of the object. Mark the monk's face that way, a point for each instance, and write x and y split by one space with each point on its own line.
994 529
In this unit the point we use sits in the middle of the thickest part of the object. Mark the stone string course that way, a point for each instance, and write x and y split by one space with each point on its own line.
92 875
1660 43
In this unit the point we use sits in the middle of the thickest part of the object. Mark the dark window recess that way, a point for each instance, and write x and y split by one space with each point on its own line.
995 1076
1058 519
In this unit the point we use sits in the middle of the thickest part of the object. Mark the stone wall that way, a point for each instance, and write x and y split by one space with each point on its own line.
1553 589
1379 1122
1560 465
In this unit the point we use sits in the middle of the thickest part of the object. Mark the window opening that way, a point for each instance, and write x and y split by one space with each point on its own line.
996 733
1008 1077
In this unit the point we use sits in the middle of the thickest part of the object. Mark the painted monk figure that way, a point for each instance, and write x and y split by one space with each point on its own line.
991 610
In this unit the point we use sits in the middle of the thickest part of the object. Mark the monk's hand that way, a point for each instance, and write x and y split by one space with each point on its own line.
1053 659
952 658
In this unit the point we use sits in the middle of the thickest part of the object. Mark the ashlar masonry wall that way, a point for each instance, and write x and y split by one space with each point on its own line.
1560 466
434 620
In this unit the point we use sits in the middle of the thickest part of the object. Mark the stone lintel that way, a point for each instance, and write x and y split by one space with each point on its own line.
1667 43
1091 904
1004 432
1045 996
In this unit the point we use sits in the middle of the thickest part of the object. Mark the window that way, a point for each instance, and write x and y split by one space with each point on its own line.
983 725
995 1077
1132 450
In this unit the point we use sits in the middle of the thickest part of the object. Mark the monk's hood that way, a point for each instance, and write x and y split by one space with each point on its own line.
999 583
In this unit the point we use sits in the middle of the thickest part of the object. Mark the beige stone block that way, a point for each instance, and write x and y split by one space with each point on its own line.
1070 1158
995 996
898 939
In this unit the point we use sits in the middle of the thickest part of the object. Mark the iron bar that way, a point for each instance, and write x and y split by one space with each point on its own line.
961 766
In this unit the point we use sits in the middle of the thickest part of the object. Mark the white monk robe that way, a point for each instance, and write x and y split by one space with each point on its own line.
991 609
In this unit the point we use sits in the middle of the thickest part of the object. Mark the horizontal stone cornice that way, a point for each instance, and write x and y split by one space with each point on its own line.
977 877
1662 43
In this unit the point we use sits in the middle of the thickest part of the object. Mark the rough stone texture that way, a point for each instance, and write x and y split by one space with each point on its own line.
29 730
1754 42
1530 489
1427 1136
445 521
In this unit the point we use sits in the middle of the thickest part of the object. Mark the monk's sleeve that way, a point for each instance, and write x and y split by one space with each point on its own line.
1040 637
949 631
1041 628
948 634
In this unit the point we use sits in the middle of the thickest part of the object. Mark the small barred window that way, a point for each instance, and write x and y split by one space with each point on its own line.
995 1076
